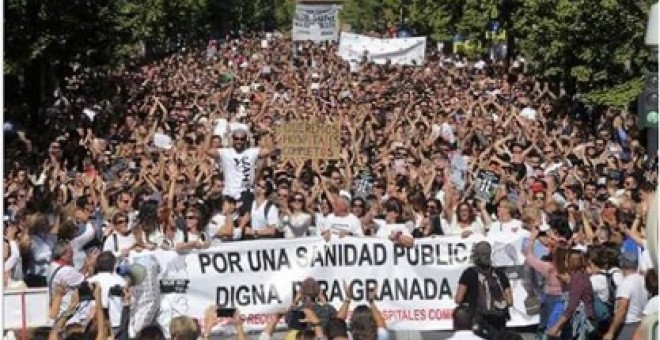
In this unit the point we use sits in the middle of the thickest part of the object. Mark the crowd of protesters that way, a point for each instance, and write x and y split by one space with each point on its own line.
182 154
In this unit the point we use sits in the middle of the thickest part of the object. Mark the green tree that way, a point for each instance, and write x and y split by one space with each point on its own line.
589 45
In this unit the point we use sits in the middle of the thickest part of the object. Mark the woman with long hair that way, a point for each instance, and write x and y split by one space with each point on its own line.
464 221
37 246
193 236
548 268
296 221
579 311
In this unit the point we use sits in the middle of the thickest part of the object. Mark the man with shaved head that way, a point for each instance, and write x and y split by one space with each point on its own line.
238 166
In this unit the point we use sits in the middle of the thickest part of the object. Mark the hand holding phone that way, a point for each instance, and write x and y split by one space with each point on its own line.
223 312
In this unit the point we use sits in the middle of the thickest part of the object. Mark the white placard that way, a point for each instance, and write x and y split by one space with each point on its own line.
162 141
315 22
402 51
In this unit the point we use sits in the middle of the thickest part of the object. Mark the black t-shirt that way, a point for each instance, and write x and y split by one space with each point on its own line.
470 278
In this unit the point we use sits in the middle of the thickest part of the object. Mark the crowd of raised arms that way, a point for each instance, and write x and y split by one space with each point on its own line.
93 181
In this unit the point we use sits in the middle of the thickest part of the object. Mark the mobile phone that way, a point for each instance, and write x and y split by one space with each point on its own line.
223 312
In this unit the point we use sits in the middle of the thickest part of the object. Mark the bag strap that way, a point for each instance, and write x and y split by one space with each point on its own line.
114 238
52 278
269 205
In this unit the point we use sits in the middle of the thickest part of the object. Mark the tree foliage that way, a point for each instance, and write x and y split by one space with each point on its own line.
588 45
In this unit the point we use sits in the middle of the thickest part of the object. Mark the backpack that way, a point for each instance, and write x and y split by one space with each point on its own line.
604 310
491 300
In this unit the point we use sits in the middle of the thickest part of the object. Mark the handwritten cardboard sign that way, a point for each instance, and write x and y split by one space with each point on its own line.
301 140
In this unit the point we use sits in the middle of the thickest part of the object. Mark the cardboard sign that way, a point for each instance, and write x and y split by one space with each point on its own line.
308 140
486 184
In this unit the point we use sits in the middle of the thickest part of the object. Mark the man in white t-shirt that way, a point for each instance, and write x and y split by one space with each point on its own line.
239 164
631 298
61 273
108 279
341 222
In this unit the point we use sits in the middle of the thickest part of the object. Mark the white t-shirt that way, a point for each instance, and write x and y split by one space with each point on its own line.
79 242
296 225
116 242
336 224
216 223
68 277
386 229
13 263
599 284
513 226
238 169
632 288
112 303
258 218
651 306
476 227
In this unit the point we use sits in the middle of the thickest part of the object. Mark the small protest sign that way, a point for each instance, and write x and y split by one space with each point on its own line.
300 140
485 185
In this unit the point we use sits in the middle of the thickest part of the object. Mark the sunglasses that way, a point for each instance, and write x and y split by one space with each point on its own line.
120 222
539 198
433 206
191 217
240 138
298 199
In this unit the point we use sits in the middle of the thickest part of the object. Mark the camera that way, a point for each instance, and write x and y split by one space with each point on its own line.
116 290
85 292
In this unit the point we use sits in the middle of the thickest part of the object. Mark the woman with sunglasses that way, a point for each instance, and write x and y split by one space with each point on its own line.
193 236
392 226
296 221
121 240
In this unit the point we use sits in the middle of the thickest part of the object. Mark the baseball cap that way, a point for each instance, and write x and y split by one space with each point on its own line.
537 187
628 260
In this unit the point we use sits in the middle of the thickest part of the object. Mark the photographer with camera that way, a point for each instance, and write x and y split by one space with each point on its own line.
310 310
62 273
112 286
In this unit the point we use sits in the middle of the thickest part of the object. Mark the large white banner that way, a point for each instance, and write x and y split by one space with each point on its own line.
315 22
402 51
416 286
